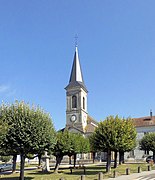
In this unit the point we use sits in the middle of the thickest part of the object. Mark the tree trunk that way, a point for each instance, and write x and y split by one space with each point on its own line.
120 161
115 159
154 156
93 157
74 160
121 157
70 160
22 163
58 161
39 158
14 163
108 166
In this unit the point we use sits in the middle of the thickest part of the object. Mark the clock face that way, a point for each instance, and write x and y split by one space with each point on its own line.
73 118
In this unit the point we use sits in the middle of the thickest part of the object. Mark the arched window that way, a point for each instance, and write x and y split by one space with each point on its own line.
74 102
83 103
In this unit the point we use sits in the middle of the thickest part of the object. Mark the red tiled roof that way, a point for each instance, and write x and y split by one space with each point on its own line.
144 121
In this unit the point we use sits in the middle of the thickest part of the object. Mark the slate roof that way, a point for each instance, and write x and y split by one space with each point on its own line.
76 77
77 129
76 84
144 121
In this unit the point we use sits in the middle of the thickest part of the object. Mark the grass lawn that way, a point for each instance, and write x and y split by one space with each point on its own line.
91 173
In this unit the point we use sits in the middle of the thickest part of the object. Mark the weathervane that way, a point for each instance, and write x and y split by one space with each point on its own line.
76 38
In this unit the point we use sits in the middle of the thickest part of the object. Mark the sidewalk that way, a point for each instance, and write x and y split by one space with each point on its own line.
132 176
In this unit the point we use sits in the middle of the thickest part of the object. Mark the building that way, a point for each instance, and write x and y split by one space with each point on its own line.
77 118
79 121
143 126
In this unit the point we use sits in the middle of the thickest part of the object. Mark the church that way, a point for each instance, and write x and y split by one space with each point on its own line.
79 121
77 118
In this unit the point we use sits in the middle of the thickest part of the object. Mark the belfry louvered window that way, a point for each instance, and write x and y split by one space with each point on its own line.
74 102
83 103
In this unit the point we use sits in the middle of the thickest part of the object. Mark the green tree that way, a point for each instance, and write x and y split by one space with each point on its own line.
113 134
62 147
79 145
5 158
93 146
3 127
70 144
126 138
147 143
30 130
5 151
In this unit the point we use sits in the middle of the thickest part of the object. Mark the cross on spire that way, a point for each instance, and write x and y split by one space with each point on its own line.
76 76
76 38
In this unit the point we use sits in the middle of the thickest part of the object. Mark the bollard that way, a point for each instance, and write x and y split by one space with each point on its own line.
149 168
100 176
71 170
127 171
139 169
83 177
114 174
84 169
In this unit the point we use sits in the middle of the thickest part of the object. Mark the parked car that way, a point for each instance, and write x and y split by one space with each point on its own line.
149 159
5 167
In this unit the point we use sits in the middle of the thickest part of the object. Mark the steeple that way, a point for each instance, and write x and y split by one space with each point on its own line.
76 77
76 73
76 98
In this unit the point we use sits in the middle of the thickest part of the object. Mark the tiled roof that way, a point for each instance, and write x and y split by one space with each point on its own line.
91 124
90 119
144 121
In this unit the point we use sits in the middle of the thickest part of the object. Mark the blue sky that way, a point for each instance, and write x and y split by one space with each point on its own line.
116 42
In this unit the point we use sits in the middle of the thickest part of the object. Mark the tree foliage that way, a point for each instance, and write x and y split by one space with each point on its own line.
62 147
69 144
79 145
127 135
113 134
84 145
147 143
3 128
30 130
5 158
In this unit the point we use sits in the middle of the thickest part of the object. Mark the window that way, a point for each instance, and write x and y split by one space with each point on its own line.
83 103
74 102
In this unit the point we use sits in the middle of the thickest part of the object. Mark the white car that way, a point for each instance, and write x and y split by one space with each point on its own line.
5 167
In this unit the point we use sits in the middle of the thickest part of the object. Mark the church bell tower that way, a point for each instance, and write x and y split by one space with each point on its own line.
76 98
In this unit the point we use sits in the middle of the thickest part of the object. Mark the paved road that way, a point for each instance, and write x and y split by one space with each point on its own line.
145 175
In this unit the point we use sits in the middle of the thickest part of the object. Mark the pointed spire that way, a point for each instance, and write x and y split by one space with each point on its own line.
76 73
76 77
